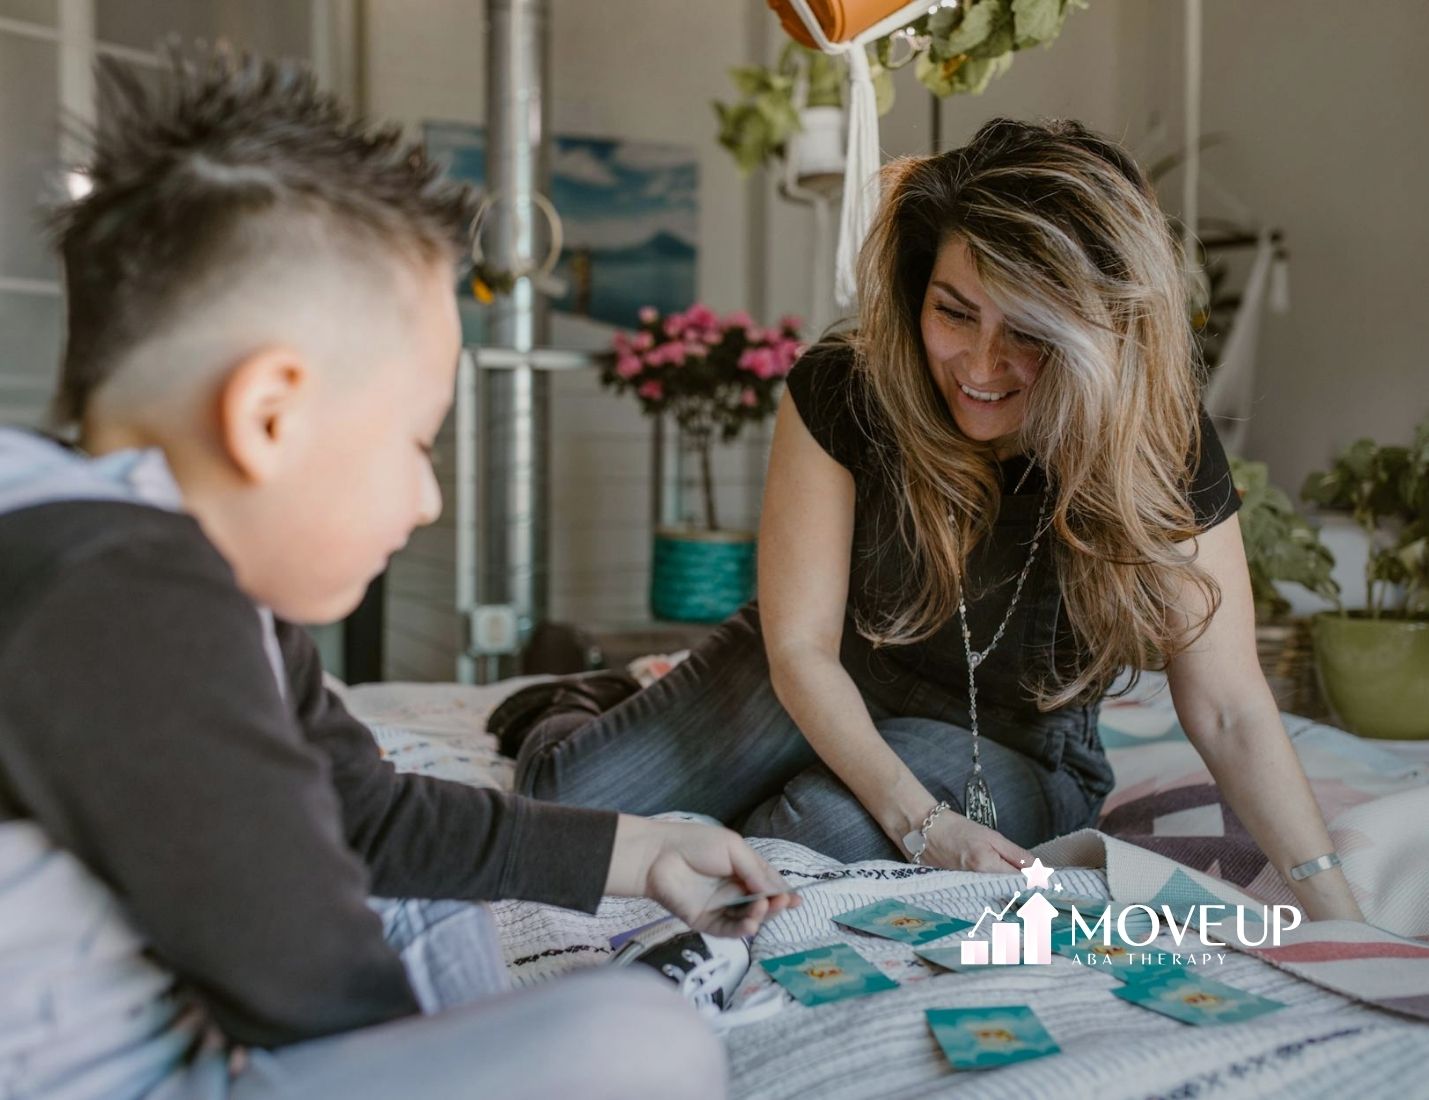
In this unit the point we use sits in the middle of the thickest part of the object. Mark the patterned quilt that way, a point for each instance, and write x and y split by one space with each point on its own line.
1356 995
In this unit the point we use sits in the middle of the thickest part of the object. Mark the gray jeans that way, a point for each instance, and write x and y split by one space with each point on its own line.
712 738
608 1034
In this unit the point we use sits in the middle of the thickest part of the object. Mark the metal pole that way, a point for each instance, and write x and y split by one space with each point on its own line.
1191 180
516 403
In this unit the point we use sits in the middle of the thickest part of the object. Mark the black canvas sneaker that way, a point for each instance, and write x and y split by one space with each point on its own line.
706 969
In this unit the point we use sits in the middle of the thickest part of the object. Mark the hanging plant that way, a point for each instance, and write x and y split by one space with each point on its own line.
757 128
960 49
954 50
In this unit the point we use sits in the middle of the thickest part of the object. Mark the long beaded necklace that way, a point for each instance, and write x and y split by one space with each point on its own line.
977 797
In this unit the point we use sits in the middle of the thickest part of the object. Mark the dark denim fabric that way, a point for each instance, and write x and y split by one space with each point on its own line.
712 738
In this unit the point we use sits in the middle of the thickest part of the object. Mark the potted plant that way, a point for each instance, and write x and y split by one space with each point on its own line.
1281 546
768 117
1374 664
953 49
714 375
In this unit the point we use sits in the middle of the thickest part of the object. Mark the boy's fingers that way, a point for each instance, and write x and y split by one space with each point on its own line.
752 869
757 912
751 916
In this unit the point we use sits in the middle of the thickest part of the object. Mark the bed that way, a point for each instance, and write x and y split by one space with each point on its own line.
1356 1019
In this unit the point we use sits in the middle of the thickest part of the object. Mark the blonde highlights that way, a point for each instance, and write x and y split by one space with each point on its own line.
1070 244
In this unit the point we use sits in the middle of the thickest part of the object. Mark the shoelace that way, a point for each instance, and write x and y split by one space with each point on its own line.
702 981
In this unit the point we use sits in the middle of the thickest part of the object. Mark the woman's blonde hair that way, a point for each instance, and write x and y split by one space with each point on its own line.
1071 246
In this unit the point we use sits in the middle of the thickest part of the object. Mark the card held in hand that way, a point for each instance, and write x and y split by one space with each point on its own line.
823 975
897 920
994 1035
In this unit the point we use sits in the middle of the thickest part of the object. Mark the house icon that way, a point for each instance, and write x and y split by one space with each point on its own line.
1013 943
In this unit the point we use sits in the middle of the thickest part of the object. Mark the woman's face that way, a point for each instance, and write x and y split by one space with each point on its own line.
982 368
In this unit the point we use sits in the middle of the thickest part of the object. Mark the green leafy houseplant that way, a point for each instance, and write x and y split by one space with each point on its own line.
1374 665
953 50
1386 489
757 127
964 47
1280 545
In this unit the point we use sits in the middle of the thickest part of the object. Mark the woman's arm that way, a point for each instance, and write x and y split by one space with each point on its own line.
1231 718
805 539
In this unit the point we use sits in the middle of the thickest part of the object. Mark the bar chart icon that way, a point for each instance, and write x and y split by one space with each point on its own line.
1029 941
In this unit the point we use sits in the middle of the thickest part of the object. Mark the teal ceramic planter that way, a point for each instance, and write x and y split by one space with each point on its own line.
1375 673
701 576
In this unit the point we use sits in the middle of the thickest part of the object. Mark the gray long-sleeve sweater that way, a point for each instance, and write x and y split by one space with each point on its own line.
190 823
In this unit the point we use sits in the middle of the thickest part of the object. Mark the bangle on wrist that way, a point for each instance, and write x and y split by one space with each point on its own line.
916 842
1314 866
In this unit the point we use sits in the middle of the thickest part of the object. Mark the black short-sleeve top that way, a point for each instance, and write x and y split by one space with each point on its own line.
930 678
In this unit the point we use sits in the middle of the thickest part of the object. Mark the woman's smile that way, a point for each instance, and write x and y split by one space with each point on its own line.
985 397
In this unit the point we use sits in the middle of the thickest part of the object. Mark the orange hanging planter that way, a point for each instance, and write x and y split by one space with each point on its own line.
840 20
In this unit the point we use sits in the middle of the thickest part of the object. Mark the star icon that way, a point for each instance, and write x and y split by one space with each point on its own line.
1038 874
1057 886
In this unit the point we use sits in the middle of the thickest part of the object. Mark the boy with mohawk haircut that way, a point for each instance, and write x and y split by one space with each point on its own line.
261 346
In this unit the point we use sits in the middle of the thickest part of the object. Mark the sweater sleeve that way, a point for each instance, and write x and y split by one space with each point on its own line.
428 837
141 726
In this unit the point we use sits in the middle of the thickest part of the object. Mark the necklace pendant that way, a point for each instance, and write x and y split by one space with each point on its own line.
974 660
977 802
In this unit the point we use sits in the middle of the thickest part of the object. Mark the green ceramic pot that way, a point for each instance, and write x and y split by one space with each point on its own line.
701 576
1375 672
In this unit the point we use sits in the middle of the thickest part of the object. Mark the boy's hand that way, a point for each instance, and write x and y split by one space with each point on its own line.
691 870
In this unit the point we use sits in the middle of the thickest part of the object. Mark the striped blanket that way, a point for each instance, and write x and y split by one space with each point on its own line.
1356 995
1321 1044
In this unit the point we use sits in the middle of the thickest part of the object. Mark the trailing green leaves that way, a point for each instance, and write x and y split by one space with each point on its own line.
955 50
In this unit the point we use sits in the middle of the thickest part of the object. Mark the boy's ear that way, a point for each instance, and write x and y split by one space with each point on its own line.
260 410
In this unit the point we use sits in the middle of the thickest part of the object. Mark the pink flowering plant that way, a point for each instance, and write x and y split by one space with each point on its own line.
713 374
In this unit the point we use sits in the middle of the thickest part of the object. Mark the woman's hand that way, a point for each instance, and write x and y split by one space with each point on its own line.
692 870
958 844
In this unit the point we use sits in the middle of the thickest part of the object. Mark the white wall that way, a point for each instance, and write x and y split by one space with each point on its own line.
1324 107
620 68
1320 108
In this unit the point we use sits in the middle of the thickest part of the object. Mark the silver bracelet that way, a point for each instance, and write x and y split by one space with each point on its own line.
917 841
1314 866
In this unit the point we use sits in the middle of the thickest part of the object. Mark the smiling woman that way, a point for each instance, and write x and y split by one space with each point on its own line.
982 366
983 503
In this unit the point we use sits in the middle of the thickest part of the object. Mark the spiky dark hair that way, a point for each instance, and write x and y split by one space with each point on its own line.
179 169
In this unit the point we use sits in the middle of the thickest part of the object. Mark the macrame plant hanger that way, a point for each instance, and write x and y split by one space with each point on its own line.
860 190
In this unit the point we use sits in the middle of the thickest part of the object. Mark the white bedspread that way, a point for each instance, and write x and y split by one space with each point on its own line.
1323 1044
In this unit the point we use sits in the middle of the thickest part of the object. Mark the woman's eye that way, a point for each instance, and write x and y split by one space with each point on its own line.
955 314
